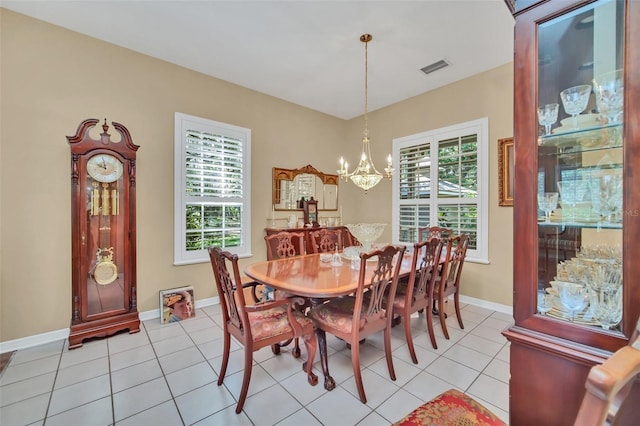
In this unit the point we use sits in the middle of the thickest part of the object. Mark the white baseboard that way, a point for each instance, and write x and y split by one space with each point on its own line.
52 336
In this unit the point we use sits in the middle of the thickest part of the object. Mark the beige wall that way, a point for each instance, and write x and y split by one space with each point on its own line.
51 79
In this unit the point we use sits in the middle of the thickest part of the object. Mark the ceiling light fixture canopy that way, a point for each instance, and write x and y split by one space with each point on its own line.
365 175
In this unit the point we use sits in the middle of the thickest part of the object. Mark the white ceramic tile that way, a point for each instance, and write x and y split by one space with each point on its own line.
191 377
226 417
489 333
498 369
37 352
455 373
14 373
165 414
399 405
166 331
502 316
405 371
491 390
125 341
139 398
282 366
503 354
235 363
172 345
207 334
135 375
373 419
496 323
80 372
26 389
131 357
260 380
200 322
466 356
203 402
480 344
25 411
377 389
300 417
426 386
78 394
301 390
338 407
90 350
178 360
97 412
263 407
477 310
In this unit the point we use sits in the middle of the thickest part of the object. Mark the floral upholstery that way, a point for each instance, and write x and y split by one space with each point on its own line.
451 408
273 322
338 314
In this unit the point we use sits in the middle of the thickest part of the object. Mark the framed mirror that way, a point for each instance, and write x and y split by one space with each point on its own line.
290 185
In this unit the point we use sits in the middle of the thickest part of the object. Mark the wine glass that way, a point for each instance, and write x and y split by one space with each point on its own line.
575 100
606 195
572 192
544 302
547 201
608 89
572 297
547 115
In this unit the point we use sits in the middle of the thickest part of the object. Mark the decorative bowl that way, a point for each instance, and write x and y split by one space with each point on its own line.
367 233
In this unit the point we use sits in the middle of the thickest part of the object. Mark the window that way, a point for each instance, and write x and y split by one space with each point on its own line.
443 181
212 188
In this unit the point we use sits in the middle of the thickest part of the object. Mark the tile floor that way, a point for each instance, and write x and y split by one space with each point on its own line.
166 375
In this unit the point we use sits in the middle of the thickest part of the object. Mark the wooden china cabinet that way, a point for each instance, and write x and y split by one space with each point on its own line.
577 200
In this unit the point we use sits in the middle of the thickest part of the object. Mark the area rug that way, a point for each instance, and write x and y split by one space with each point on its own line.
451 408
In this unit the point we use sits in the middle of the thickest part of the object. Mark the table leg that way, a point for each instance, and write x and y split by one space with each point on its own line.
329 383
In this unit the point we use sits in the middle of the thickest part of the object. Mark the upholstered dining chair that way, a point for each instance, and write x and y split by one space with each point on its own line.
258 325
326 240
434 231
608 387
448 282
417 294
353 318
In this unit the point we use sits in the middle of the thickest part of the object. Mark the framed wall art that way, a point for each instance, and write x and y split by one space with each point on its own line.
505 172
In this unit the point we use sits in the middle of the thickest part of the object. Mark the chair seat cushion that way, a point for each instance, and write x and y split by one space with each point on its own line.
451 408
274 322
336 314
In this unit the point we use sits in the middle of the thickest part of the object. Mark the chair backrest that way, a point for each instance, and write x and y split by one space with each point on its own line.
369 312
434 231
426 260
231 297
609 384
326 240
284 244
456 252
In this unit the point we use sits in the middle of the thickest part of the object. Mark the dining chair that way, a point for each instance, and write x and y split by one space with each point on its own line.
257 325
608 387
434 231
417 294
354 317
284 244
326 240
448 281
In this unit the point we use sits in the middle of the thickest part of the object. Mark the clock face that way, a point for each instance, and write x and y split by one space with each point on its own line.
104 168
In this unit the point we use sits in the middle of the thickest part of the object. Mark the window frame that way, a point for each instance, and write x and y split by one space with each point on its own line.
182 124
480 128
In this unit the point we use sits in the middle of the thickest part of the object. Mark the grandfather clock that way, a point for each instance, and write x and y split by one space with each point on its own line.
103 233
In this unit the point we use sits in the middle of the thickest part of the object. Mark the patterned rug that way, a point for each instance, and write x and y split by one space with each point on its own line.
451 408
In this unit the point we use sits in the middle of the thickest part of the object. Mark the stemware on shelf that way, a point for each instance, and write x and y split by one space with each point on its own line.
547 201
572 192
606 195
608 89
544 302
572 297
547 116
607 305
575 100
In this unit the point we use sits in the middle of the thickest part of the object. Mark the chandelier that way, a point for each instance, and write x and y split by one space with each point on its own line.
365 175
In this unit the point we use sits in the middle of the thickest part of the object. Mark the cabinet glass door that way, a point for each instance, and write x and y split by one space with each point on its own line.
580 165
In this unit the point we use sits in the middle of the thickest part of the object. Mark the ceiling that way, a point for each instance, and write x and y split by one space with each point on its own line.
306 52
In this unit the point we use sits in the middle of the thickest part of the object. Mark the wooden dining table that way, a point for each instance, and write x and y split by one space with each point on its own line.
309 277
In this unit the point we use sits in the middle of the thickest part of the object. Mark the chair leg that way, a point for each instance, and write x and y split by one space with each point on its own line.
246 378
225 357
296 348
311 343
357 374
387 352
443 317
275 348
432 336
457 305
407 334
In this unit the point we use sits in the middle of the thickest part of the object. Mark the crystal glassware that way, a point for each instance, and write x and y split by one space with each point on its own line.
572 297
544 302
367 233
575 100
547 115
572 192
547 201
606 196
607 303
608 89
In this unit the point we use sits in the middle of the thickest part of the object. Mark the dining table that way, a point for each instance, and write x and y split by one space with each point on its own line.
316 280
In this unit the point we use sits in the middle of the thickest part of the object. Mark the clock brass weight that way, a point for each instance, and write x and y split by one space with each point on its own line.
103 235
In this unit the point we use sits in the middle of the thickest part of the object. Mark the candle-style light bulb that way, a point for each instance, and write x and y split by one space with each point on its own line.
389 160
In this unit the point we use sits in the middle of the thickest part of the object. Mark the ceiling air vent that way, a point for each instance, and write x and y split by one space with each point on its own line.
435 66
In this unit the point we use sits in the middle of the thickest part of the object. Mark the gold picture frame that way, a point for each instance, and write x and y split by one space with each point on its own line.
506 169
